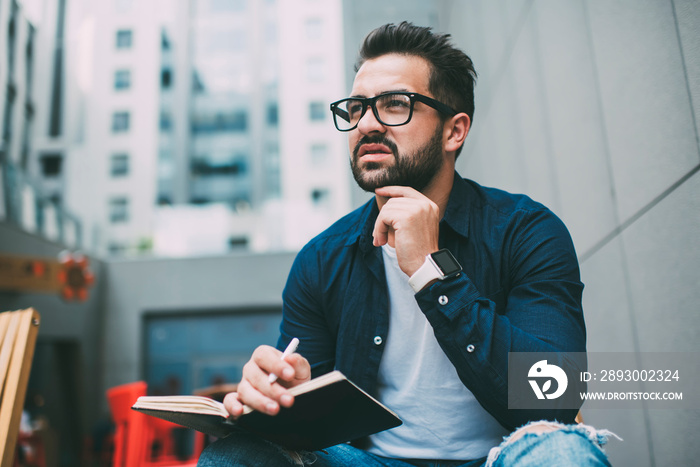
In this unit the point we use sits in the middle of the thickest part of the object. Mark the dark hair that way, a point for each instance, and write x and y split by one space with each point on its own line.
452 76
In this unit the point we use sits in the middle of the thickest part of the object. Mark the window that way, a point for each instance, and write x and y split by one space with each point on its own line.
317 111
7 120
29 57
56 114
124 39
272 114
175 343
199 200
164 40
220 122
119 165
116 248
120 122
237 242
51 165
200 166
166 78
320 196
122 79
118 210
12 38
164 200
26 134
166 121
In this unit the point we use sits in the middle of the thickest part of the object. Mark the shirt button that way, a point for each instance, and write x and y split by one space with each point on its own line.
442 300
378 340
470 348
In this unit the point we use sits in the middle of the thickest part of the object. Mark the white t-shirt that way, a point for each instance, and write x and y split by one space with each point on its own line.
442 418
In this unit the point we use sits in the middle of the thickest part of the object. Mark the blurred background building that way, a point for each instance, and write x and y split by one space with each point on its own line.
163 127
186 146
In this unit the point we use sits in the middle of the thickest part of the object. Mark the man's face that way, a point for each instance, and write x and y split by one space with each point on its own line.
408 155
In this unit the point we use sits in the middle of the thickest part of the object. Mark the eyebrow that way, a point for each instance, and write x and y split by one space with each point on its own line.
362 96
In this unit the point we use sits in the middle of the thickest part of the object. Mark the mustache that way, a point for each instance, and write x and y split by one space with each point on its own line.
375 139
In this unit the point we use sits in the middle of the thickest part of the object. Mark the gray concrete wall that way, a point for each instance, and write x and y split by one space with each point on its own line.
592 108
187 285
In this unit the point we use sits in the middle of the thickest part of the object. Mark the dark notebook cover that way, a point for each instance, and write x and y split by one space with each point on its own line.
333 413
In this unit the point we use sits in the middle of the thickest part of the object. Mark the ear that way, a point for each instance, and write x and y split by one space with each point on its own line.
456 131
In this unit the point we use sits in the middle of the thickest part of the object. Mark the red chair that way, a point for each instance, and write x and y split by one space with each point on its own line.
137 434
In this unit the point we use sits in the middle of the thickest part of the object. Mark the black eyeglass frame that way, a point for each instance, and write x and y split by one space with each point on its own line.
371 102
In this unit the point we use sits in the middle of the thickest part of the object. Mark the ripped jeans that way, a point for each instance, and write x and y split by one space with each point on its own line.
536 444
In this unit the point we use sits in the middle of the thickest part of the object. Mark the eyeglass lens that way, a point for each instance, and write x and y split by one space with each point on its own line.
392 109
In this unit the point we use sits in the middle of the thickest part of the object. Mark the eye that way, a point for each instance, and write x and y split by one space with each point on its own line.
395 102
354 108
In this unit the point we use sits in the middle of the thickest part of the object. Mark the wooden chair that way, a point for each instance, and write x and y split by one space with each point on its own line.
18 331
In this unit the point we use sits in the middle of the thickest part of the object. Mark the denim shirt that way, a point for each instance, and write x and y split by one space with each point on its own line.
519 291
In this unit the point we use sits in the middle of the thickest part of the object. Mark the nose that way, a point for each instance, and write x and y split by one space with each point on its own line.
369 123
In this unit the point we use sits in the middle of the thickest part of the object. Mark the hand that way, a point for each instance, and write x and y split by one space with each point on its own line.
410 222
257 392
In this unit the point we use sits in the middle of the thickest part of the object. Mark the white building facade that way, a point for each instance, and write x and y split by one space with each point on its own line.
206 125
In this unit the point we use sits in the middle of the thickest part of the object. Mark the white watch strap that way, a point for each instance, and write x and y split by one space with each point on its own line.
426 273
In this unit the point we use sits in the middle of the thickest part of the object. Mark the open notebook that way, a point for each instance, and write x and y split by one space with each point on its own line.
328 410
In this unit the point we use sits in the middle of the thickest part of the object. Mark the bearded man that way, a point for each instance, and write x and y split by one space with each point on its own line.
419 295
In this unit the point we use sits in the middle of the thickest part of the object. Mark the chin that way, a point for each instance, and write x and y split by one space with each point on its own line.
372 180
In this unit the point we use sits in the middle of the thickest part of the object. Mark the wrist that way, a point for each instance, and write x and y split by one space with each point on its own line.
437 266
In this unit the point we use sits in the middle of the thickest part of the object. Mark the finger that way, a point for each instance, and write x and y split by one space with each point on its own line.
302 374
258 380
233 405
380 233
388 219
269 360
302 369
255 389
407 211
398 192
255 399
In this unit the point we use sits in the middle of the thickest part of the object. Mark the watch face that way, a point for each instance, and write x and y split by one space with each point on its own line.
446 262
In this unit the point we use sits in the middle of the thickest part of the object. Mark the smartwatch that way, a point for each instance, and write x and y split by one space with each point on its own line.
440 265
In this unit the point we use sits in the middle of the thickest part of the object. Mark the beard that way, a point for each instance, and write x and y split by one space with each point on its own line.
415 170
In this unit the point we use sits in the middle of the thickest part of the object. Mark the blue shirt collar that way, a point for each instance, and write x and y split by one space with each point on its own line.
458 206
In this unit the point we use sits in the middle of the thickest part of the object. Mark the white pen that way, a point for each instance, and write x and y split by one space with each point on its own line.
291 348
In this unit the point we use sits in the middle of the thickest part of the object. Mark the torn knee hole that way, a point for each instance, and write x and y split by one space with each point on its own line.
535 428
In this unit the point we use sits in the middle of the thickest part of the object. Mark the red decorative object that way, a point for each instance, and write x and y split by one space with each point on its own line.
74 276
38 268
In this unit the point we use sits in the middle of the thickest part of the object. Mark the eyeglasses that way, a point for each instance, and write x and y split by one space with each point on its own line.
390 109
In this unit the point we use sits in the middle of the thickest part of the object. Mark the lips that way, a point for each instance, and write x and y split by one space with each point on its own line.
374 152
